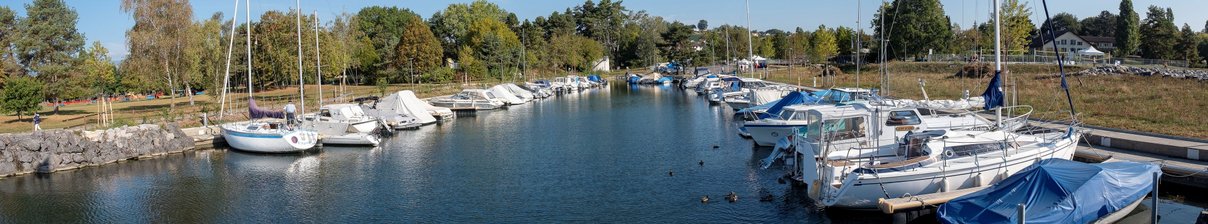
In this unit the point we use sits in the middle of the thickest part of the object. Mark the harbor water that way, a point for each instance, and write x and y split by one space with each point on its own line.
613 155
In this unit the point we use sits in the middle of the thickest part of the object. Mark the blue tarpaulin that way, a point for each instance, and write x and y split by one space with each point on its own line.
593 78
665 79
774 107
993 94
1055 191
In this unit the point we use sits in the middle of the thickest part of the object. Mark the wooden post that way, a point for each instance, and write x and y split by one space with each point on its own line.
1153 213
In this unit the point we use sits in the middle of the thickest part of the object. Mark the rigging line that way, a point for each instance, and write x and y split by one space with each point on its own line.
1060 65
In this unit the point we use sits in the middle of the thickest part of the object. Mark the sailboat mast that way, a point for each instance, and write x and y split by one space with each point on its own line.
318 61
750 46
860 30
248 14
301 85
997 56
226 79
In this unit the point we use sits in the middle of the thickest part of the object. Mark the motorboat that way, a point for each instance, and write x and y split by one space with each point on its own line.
563 84
502 93
1058 191
757 96
344 124
767 131
845 164
469 99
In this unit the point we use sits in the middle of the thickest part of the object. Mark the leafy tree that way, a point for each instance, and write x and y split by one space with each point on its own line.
418 50
1103 25
920 26
575 52
453 25
21 94
48 44
159 41
823 44
1188 42
798 45
703 25
1128 30
1160 34
601 22
210 49
1203 46
383 27
98 69
1063 22
845 38
1016 26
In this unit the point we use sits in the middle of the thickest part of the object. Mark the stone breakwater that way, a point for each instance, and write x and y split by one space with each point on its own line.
1142 71
55 150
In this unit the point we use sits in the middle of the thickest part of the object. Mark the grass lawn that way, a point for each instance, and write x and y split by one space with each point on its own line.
1150 104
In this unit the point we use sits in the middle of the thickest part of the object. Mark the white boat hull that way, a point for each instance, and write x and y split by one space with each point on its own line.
767 135
268 142
865 193
351 139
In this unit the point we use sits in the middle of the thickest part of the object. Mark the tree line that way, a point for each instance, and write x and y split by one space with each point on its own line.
173 54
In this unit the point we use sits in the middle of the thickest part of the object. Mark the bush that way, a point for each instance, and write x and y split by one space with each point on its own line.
22 95
381 86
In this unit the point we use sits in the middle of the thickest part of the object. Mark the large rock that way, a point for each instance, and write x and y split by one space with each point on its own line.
52 150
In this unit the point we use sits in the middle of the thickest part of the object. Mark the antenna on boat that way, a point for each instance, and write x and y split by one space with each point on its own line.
227 78
1060 65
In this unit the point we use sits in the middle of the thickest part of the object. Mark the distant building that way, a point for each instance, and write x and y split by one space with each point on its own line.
1069 42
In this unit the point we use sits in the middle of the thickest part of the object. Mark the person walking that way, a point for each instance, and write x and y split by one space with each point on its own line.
37 122
290 109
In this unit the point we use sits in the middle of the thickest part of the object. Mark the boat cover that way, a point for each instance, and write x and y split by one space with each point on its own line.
793 98
256 112
405 102
1055 191
665 79
594 78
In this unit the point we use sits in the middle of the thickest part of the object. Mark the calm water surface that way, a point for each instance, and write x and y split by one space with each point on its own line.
599 156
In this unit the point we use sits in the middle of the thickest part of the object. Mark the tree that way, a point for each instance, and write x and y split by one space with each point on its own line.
99 73
1188 44
1103 25
703 25
1128 33
1016 26
21 94
677 45
1063 22
601 22
383 27
418 50
1160 34
823 44
574 52
9 66
919 27
452 25
159 41
48 44
845 38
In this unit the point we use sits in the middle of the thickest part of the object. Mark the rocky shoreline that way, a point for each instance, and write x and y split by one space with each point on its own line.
56 150
1183 73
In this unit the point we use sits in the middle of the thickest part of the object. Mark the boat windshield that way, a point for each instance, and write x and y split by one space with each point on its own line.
793 115
837 129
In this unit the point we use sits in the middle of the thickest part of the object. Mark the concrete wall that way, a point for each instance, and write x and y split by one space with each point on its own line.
55 150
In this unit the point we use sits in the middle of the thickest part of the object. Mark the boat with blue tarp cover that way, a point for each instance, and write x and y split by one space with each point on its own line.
1057 191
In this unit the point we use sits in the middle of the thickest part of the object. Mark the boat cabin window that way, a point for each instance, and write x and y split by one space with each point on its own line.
972 150
905 117
490 95
837 129
325 113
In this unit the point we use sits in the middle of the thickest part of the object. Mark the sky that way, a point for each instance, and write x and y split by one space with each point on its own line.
103 20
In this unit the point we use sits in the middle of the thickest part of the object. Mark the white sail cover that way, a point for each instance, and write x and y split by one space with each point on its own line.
503 93
404 102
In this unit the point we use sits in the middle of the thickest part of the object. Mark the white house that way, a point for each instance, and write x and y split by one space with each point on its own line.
1068 42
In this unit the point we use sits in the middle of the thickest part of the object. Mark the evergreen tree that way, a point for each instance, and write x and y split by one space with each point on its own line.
1128 33
703 25
1160 34
1103 25
9 66
49 43
1189 41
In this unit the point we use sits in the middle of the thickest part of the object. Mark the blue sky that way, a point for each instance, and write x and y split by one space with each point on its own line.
102 20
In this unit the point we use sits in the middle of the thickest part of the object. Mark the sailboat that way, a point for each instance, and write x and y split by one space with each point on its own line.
845 165
265 132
